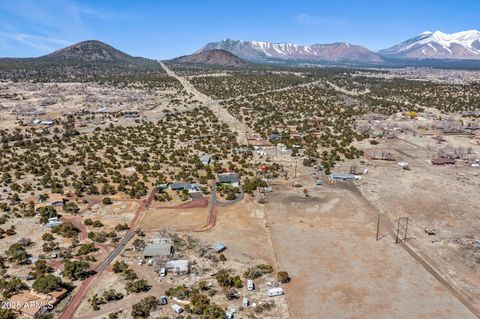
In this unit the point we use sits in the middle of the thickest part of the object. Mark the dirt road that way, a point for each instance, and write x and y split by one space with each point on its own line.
77 299
353 276
387 225
222 114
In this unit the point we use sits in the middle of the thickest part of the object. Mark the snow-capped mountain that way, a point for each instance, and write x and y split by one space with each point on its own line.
260 50
438 45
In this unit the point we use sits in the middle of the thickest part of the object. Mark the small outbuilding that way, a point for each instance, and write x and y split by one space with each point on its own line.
342 177
443 161
53 222
177 308
206 159
180 267
219 247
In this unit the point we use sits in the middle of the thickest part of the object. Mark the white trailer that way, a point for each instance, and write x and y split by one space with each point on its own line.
177 308
275 292
250 285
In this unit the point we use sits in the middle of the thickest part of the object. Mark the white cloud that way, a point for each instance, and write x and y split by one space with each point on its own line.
37 42
48 24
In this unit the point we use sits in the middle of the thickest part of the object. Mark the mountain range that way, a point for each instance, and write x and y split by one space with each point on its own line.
438 45
94 59
260 50
427 45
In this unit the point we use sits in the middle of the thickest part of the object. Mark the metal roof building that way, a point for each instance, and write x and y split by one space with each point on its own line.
219 247
181 186
158 249
205 159
181 266
342 177
228 178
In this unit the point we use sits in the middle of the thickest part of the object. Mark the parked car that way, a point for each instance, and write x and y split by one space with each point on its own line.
163 300
250 285
163 272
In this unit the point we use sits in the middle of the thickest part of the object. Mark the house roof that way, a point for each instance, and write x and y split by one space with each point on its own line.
28 302
158 249
53 223
181 264
228 178
180 185
342 176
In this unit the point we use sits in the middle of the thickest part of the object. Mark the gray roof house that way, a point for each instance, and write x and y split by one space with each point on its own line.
181 186
229 178
158 249
275 137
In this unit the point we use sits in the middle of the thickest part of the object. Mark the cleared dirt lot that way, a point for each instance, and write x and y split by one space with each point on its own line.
327 243
116 213
241 227
442 198
157 218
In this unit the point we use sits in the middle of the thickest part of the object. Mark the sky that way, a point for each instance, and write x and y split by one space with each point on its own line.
165 29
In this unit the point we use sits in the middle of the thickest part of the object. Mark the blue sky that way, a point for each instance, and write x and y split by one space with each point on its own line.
165 29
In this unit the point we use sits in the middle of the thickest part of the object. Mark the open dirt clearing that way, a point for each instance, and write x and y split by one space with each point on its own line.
441 198
241 227
327 244
179 218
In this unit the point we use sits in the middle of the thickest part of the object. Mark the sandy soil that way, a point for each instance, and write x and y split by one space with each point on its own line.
176 217
431 197
327 244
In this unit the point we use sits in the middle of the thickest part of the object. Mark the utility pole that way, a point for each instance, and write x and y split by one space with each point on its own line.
378 226
295 168
402 224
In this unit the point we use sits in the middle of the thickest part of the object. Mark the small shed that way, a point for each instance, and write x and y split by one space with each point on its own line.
177 308
53 222
205 159
443 161
219 247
